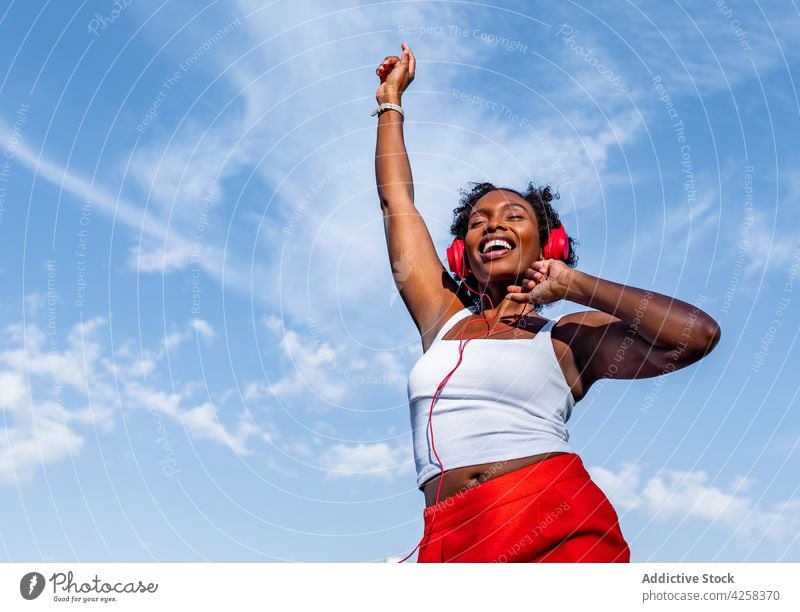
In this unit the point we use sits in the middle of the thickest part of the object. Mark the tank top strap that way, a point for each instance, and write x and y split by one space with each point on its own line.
548 327
451 322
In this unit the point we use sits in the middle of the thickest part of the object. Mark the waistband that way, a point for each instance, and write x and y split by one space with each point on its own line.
511 486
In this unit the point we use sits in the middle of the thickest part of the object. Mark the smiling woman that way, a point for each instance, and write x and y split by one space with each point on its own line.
500 481
519 209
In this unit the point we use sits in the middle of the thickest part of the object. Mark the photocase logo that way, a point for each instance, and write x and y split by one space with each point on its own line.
31 585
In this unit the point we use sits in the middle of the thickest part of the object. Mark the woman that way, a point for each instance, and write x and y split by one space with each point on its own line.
500 480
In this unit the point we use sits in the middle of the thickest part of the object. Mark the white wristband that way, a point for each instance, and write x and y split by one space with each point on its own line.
382 108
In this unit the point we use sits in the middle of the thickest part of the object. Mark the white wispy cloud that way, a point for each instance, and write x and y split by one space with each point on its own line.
51 392
203 328
35 375
159 258
203 423
167 248
367 459
678 494
698 49
310 371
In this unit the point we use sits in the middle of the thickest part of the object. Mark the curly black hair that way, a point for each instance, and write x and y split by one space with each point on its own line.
539 198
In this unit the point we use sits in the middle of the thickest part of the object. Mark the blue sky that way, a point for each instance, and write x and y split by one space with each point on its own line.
204 357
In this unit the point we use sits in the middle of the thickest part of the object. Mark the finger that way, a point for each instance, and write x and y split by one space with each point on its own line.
522 292
541 267
412 61
519 298
523 298
386 69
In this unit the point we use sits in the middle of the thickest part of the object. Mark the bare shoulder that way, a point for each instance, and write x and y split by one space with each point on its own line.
589 318
577 336
448 309
575 327
570 336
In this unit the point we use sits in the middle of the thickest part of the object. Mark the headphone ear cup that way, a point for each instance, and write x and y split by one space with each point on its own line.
456 259
557 246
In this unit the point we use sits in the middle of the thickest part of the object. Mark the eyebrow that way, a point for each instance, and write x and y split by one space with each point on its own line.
507 205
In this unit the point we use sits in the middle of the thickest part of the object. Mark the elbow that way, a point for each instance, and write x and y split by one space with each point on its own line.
395 201
716 334
704 338
710 334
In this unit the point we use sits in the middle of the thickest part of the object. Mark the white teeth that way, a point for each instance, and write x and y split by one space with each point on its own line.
503 243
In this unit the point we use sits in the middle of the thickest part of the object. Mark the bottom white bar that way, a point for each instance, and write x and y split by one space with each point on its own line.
462 587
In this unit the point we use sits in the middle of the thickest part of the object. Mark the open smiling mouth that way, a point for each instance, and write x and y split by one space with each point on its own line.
495 249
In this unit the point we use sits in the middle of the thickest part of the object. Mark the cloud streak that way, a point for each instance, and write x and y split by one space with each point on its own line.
672 494
50 394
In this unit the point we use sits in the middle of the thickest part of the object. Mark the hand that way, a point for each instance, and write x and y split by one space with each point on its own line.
547 281
396 74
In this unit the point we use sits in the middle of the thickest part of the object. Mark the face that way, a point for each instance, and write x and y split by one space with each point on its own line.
502 237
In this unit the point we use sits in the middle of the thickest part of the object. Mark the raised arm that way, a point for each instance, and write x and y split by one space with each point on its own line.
427 289
392 169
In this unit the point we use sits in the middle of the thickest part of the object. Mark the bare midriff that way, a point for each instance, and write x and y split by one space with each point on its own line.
463 478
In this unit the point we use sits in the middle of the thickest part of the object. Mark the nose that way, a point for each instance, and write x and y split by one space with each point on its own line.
493 225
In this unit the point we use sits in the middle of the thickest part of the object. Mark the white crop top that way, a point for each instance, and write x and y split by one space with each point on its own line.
507 399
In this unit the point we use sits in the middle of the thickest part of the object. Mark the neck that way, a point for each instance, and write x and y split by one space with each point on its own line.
500 307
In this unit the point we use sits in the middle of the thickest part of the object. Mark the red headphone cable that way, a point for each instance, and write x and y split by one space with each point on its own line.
462 344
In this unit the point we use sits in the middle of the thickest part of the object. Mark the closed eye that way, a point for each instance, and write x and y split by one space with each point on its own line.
510 217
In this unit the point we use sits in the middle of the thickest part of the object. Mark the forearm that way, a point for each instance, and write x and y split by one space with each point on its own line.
392 169
661 320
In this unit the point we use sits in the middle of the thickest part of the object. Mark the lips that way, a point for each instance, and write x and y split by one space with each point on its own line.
492 255
492 242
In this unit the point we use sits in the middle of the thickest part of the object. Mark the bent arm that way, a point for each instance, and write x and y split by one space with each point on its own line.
662 321
637 333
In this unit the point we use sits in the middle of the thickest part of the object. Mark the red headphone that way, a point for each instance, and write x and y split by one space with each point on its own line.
557 247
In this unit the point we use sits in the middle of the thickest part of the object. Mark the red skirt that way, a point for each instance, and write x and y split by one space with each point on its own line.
549 511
